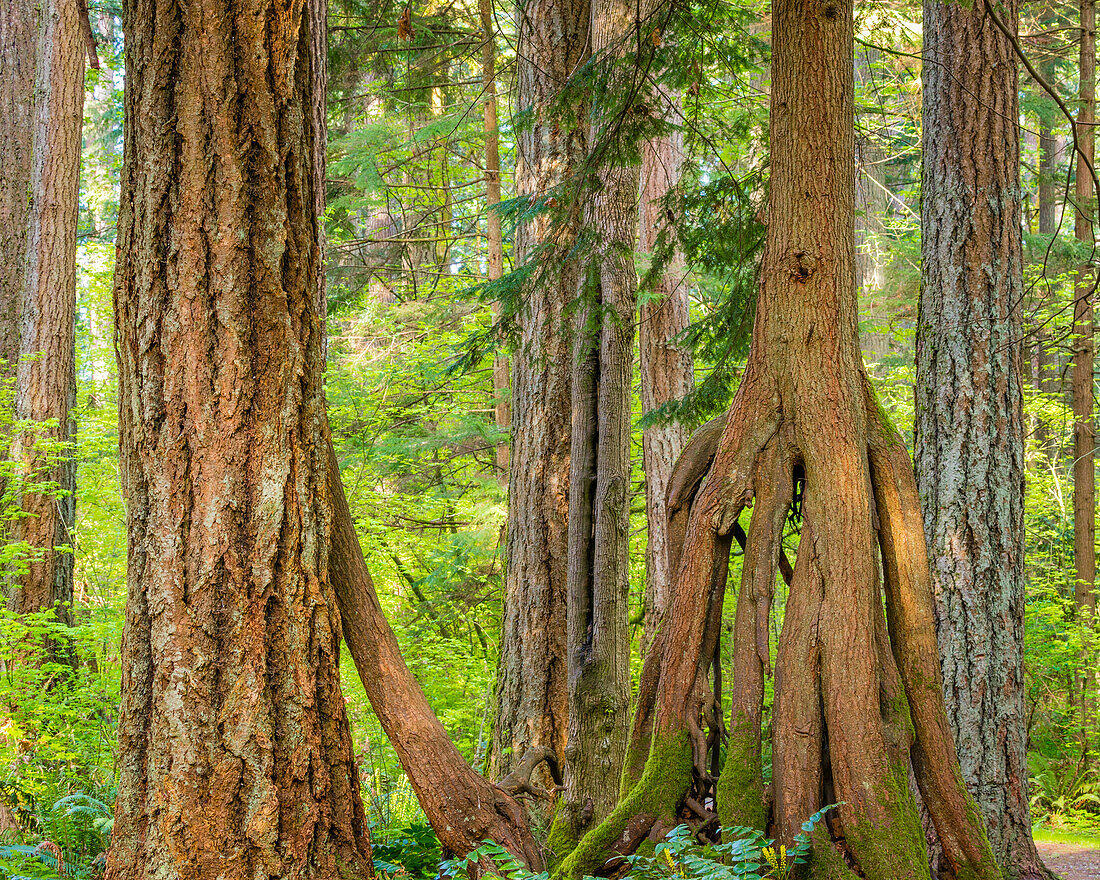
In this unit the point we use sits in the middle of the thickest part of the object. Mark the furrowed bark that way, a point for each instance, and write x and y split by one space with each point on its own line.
531 697
969 424
665 365
1084 348
237 759
44 329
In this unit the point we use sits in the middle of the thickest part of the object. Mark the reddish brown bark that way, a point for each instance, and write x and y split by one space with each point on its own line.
805 412
1084 433
236 755
665 365
462 807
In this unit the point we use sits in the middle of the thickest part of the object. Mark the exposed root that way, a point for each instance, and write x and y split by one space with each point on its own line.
519 780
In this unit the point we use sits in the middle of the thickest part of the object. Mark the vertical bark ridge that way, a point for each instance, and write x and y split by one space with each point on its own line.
237 755
45 332
552 42
969 423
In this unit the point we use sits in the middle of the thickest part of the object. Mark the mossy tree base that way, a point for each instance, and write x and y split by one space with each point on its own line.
858 698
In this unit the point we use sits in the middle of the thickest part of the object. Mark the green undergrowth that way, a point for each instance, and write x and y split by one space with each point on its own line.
743 854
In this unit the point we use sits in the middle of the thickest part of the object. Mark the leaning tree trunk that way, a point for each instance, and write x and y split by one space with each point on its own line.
237 758
969 422
665 364
531 689
1084 435
857 693
461 806
43 304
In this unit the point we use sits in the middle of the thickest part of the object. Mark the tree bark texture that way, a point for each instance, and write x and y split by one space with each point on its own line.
552 40
969 423
237 759
857 694
597 634
665 365
45 300
19 25
1084 353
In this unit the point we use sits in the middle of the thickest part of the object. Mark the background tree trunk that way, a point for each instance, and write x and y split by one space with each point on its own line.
532 709
666 366
495 250
45 373
237 759
969 423
1084 436
19 26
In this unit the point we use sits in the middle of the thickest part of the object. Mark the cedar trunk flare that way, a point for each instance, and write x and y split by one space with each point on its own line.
969 413
552 43
237 758
38 295
857 693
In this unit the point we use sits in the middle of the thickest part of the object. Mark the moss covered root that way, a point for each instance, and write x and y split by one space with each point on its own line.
741 785
664 782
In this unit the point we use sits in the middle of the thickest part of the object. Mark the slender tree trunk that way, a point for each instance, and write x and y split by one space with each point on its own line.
1084 437
495 252
237 759
552 40
969 427
19 26
854 702
45 329
665 365
870 208
1044 358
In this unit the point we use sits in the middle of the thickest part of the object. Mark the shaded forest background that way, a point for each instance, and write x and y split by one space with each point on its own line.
419 322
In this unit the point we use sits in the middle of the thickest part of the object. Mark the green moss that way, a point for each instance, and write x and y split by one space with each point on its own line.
562 839
664 783
741 785
895 848
826 862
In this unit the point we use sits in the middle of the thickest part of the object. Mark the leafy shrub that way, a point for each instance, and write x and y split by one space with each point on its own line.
414 851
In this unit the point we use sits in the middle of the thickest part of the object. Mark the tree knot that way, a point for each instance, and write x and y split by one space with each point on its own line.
801 266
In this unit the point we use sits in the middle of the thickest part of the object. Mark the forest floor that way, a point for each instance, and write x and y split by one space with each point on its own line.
1071 860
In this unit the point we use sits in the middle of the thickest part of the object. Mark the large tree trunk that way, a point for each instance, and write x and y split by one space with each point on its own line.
854 703
237 759
531 697
665 365
40 295
597 637
19 26
969 423
1084 436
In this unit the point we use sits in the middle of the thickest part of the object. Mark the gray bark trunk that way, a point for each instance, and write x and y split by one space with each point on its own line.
969 424
552 39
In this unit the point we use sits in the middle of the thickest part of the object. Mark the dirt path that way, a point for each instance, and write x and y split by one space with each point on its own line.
1071 862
